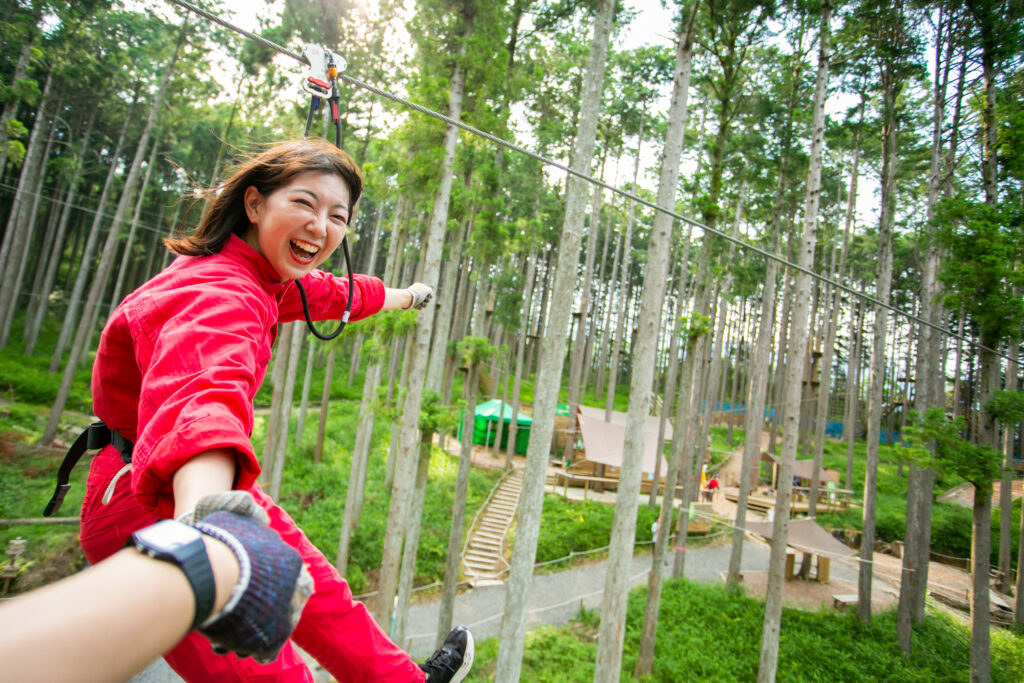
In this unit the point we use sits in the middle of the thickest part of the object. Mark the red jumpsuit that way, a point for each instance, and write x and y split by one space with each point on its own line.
178 365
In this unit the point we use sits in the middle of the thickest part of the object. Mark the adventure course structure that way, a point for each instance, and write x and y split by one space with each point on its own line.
669 244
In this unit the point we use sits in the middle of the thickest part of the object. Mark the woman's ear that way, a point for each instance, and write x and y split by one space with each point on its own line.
253 200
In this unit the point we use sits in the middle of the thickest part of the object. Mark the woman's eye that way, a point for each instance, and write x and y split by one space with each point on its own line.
341 219
304 202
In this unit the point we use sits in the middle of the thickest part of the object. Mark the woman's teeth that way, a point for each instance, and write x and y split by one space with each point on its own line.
303 249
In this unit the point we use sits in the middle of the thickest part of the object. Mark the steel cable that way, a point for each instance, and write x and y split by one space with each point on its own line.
590 179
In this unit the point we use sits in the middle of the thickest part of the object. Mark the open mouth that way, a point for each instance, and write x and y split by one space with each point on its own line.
304 251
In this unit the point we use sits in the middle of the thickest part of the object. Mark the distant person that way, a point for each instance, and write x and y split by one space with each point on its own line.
712 487
179 363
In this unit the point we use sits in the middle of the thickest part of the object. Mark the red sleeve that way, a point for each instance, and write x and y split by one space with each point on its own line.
203 353
327 295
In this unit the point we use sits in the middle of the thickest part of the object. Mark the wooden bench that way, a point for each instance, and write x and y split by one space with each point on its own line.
842 600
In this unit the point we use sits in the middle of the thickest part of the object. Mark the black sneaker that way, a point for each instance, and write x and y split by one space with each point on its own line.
452 662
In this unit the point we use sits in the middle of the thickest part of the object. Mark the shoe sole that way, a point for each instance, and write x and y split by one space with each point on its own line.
467 660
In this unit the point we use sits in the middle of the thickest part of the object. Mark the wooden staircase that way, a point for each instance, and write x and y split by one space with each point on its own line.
484 555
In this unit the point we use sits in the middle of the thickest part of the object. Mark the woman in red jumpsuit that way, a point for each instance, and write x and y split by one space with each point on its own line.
179 363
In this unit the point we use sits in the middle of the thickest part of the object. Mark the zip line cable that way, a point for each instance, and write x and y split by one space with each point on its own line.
586 177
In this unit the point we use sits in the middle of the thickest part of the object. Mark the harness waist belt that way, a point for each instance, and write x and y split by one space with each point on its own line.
96 436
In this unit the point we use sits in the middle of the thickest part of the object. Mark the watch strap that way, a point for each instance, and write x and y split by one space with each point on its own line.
199 573
193 561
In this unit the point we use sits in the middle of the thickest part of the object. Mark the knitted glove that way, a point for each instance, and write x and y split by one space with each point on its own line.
421 294
273 584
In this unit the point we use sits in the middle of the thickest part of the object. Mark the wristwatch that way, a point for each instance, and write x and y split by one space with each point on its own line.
178 543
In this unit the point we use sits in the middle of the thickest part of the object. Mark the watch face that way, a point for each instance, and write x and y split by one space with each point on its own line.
166 535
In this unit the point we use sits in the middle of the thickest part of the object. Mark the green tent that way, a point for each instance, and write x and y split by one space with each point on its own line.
485 423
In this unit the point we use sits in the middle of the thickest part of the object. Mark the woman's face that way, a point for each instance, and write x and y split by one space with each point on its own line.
299 225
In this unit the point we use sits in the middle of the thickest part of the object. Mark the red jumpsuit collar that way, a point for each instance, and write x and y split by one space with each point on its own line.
237 250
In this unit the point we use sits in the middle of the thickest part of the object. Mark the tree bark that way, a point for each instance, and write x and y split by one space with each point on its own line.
360 459
297 332
446 609
39 312
620 552
753 420
83 335
891 88
325 396
517 381
20 222
606 332
115 298
307 380
580 343
412 538
548 380
406 456
11 108
82 276
768 662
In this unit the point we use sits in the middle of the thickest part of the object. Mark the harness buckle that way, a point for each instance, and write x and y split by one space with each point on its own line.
57 500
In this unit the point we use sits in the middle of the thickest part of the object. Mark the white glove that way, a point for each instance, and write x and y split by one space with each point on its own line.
421 295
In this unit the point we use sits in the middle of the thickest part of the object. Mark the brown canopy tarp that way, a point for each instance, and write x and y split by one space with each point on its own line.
804 469
603 441
805 536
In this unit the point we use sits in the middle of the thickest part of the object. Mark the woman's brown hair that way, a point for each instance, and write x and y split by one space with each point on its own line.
266 171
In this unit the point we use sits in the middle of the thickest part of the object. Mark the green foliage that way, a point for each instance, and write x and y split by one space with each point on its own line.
978 464
27 379
576 526
475 350
435 416
706 632
1006 406
980 273
951 523
695 326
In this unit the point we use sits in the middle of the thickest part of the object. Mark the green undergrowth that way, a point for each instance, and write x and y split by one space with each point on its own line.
706 632
951 524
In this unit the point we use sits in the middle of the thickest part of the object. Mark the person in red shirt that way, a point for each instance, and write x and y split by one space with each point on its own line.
179 363
712 487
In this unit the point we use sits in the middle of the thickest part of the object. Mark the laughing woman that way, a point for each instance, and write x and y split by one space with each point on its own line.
178 366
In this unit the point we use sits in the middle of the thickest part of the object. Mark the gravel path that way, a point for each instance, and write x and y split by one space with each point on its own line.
554 599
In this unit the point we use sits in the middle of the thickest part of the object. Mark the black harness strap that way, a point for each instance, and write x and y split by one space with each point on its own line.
96 436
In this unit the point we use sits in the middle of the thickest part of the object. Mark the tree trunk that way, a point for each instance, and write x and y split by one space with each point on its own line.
82 276
83 335
444 303
408 450
606 333
753 419
21 221
620 328
11 108
360 460
768 662
307 380
620 552
115 298
517 381
446 609
892 87
279 439
825 382
981 548
325 397
33 326
552 357
412 538
668 400
582 331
